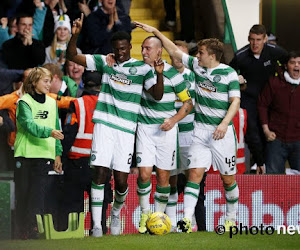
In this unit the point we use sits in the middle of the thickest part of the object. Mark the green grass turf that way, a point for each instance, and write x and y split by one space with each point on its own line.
198 240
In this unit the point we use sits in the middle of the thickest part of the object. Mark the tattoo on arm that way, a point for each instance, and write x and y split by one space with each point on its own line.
189 102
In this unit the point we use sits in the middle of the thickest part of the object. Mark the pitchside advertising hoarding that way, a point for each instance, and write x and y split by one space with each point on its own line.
268 200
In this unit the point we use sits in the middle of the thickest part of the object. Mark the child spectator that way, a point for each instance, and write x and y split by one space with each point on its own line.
55 53
37 148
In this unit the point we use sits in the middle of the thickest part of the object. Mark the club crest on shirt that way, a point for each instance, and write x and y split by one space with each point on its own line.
120 79
217 78
132 70
207 86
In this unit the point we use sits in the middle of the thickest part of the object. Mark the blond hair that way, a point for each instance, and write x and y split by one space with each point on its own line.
35 75
54 45
213 46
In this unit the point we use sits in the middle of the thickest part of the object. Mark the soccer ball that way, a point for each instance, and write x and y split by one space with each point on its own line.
159 224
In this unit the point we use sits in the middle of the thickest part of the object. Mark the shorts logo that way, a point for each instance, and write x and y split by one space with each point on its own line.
93 157
132 70
207 85
188 162
41 115
138 159
217 78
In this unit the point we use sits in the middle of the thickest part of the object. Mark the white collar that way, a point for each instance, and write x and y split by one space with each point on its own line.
289 79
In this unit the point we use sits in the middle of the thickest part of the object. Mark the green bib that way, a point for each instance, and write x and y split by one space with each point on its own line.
29 146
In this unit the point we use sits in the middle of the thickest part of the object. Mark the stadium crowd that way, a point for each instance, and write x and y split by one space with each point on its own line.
71 51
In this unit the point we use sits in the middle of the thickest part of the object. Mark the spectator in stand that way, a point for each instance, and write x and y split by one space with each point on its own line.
100 26
23 51
56 52
278 107
255 63
73 73
186 19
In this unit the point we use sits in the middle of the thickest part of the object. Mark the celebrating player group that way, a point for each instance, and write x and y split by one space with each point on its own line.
146 103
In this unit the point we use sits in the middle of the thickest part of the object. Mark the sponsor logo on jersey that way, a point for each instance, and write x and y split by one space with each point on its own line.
120 79
217 78
208 86
132 70
41 115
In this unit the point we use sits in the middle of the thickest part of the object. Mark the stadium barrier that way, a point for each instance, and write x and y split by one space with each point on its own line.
270 200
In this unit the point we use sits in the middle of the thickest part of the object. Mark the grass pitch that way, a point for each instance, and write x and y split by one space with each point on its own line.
197 240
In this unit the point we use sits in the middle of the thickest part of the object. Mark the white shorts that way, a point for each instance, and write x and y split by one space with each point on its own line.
112 148
205 151
156 147
183 153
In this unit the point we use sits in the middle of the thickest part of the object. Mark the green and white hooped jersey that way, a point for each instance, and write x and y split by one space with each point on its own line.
154 112
213 89
186 125
119 101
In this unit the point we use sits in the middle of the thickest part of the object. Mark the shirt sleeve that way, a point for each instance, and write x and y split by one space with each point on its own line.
58 146
25 119
95 62
188 61
234 85
149 79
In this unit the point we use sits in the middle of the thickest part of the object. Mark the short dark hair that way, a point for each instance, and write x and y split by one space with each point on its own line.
293 54
156 38
120 35
258 29
213 46
23 15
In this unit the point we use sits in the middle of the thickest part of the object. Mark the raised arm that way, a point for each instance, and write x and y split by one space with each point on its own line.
72 48
157 90
170 47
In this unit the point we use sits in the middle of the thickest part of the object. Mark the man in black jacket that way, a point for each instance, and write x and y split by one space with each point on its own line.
23 51
256 62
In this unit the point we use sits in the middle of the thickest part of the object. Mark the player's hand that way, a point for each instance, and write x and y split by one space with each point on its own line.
110 59
260 170
159 65
270 135
168 124
220 131
77 25
56 134
145 27
84 8
1 120
61 59
57 166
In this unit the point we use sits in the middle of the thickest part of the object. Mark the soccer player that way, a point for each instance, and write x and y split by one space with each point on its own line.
115 117
186 127
217 101
156 142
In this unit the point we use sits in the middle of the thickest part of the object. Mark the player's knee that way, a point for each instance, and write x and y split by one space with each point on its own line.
228 180
100 174
144 176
